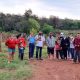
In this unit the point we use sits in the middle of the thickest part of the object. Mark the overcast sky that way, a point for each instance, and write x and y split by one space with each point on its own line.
60 8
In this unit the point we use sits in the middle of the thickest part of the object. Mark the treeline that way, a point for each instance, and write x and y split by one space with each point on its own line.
29 22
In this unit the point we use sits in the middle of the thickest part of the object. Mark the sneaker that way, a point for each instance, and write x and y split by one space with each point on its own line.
37 59
40 59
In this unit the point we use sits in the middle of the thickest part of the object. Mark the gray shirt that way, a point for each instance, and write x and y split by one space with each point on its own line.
50 41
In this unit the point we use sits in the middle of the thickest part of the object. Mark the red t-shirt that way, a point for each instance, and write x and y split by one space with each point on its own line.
77 43
21 41
11 43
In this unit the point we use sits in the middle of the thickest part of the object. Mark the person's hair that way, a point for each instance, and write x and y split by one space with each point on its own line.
17 36
56 42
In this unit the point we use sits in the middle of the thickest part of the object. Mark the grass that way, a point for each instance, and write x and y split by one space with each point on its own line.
17 70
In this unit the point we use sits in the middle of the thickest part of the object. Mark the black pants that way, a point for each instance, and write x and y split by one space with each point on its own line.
31 50
59 53
64 53
21 53
38 52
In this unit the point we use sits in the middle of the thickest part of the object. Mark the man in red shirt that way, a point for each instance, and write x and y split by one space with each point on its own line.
77 48
11 44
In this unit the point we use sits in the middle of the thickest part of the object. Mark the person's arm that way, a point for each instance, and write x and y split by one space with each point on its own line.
44 41
24 46
6 43
47 41
36 37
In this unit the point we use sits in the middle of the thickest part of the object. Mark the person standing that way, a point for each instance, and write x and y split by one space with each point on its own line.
21 46
72 47
40 39
64 46
58 48
11 44
77 48
50 45
31 40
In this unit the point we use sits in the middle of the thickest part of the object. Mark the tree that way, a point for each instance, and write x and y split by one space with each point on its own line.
47 28
2 18
34 25
23 26
27 14
54 21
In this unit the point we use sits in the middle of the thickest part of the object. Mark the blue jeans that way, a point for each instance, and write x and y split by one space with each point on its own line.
77 56
68 51
38 52
21 53
31 50
72 52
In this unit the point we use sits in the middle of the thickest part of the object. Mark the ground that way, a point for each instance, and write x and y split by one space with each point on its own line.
37 70
55 70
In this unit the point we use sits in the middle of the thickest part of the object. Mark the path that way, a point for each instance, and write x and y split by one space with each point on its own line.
55 70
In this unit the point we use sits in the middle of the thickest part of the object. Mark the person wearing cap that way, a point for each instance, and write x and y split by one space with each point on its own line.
50 45
31 41
40 39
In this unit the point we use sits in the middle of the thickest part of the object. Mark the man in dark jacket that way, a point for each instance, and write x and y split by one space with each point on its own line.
64 45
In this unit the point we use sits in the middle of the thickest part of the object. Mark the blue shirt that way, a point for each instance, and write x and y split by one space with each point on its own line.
31 39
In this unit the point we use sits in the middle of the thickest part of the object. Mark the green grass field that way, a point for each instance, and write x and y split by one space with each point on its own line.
17 70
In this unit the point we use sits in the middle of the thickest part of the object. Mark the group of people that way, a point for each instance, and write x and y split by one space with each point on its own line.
11 43
64 46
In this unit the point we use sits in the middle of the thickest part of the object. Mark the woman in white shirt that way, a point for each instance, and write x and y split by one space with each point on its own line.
72 47
39 45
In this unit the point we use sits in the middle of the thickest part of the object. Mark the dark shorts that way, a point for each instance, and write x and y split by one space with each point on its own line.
50 50
11 50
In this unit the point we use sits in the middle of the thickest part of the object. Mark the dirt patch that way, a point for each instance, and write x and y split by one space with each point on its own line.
55 70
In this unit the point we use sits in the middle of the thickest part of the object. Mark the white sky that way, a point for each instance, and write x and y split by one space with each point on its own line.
60 8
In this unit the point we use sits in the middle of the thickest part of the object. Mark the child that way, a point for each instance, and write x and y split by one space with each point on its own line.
21 50
21 46
57 48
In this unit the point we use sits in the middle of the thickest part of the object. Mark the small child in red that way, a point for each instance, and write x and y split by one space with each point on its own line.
57 48
21 46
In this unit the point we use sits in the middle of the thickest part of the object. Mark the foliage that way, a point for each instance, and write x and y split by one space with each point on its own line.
47 28
16 70
30 22
34 25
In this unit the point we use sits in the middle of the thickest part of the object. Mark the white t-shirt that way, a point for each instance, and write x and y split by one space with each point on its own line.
71 44
39 40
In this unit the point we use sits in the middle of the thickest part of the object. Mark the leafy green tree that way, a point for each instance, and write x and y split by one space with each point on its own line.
34 25
47 28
